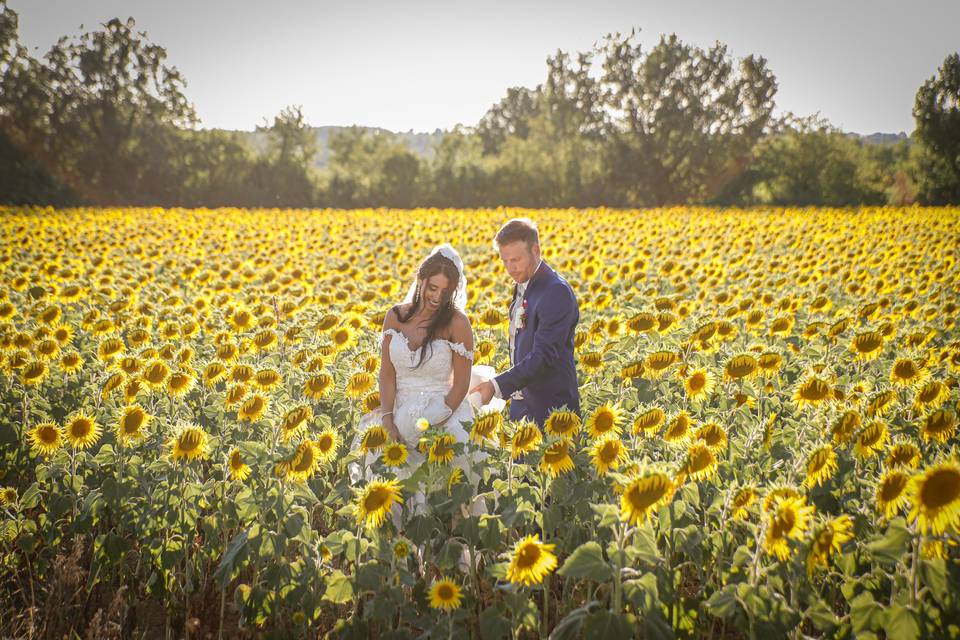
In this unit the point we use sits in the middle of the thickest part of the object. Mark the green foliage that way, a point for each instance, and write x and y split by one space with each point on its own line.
936 110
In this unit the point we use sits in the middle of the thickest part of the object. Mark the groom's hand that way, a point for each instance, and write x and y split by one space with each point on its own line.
486 391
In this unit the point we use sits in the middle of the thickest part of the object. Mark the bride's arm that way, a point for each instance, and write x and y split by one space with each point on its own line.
388 378
461 333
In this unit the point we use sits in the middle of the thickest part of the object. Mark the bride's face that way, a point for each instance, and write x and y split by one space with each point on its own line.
435 291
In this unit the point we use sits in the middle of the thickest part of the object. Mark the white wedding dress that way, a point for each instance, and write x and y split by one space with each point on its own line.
421 393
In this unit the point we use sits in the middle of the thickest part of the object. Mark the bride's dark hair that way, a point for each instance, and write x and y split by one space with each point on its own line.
431 266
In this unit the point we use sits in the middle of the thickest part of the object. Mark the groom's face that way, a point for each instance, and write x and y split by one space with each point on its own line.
519 259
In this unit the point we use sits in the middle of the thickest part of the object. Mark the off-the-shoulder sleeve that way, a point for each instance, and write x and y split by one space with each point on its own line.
462 350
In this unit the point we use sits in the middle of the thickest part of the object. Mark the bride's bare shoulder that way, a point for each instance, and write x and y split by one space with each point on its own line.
460 329
392 319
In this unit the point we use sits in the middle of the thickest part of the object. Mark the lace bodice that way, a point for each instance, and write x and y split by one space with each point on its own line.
436 371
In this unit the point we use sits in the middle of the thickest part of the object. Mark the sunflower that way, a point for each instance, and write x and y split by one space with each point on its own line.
266 379
110 348
401 549
632 370
486 426
46 439
234 395
604 420
214 373
359 384
712 435
903 454
317 387
643 495
941 425
82 431
881 402
343 337
769 363
441 449
907 372
180 383
132 389
789 520
741 367
531 561
8 497
395 454
563 424
776 494
237 469
891 493
526 438
592 361
189 442
870 440
114 382
607 453
34 373
371 402
373 439
741 502
867 345
656 364
304 461
649 421
295 421
155 374
811 392
828 539
556 459
71 362
375 501
242 373
698 384
253 408
129 365
700 463
445 595
131 424
935 498
642 322
327 443
844 427
821 465
679 429
931 396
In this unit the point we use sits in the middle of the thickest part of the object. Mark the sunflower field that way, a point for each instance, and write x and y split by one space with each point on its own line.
767 447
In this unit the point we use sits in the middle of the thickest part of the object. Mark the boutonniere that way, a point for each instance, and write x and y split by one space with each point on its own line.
523 315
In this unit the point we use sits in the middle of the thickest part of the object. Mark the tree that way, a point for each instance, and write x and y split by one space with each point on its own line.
509 117
936 111
682 120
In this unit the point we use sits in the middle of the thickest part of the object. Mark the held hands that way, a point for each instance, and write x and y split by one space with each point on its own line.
486 391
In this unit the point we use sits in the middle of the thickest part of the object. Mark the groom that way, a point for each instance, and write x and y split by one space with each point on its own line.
543 320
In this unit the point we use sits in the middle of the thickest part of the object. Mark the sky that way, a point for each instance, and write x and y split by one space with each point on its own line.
424 65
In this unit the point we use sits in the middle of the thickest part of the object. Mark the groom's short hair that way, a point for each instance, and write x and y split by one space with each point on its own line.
517 230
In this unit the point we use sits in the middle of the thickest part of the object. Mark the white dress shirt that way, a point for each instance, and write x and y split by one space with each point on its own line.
516 310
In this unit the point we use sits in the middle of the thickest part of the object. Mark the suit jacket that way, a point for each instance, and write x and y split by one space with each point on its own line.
544 367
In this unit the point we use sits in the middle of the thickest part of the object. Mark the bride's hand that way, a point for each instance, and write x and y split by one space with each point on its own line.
392 430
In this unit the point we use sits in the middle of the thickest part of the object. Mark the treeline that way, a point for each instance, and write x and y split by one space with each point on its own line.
102 119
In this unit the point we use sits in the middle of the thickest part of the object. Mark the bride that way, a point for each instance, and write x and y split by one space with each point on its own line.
426 365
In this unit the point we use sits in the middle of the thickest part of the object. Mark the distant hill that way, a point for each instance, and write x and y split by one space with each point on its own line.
883 138
423 144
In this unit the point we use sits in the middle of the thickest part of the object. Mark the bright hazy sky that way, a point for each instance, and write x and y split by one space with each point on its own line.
433 64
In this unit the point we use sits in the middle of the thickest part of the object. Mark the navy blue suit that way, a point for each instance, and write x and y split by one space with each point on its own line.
544 368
